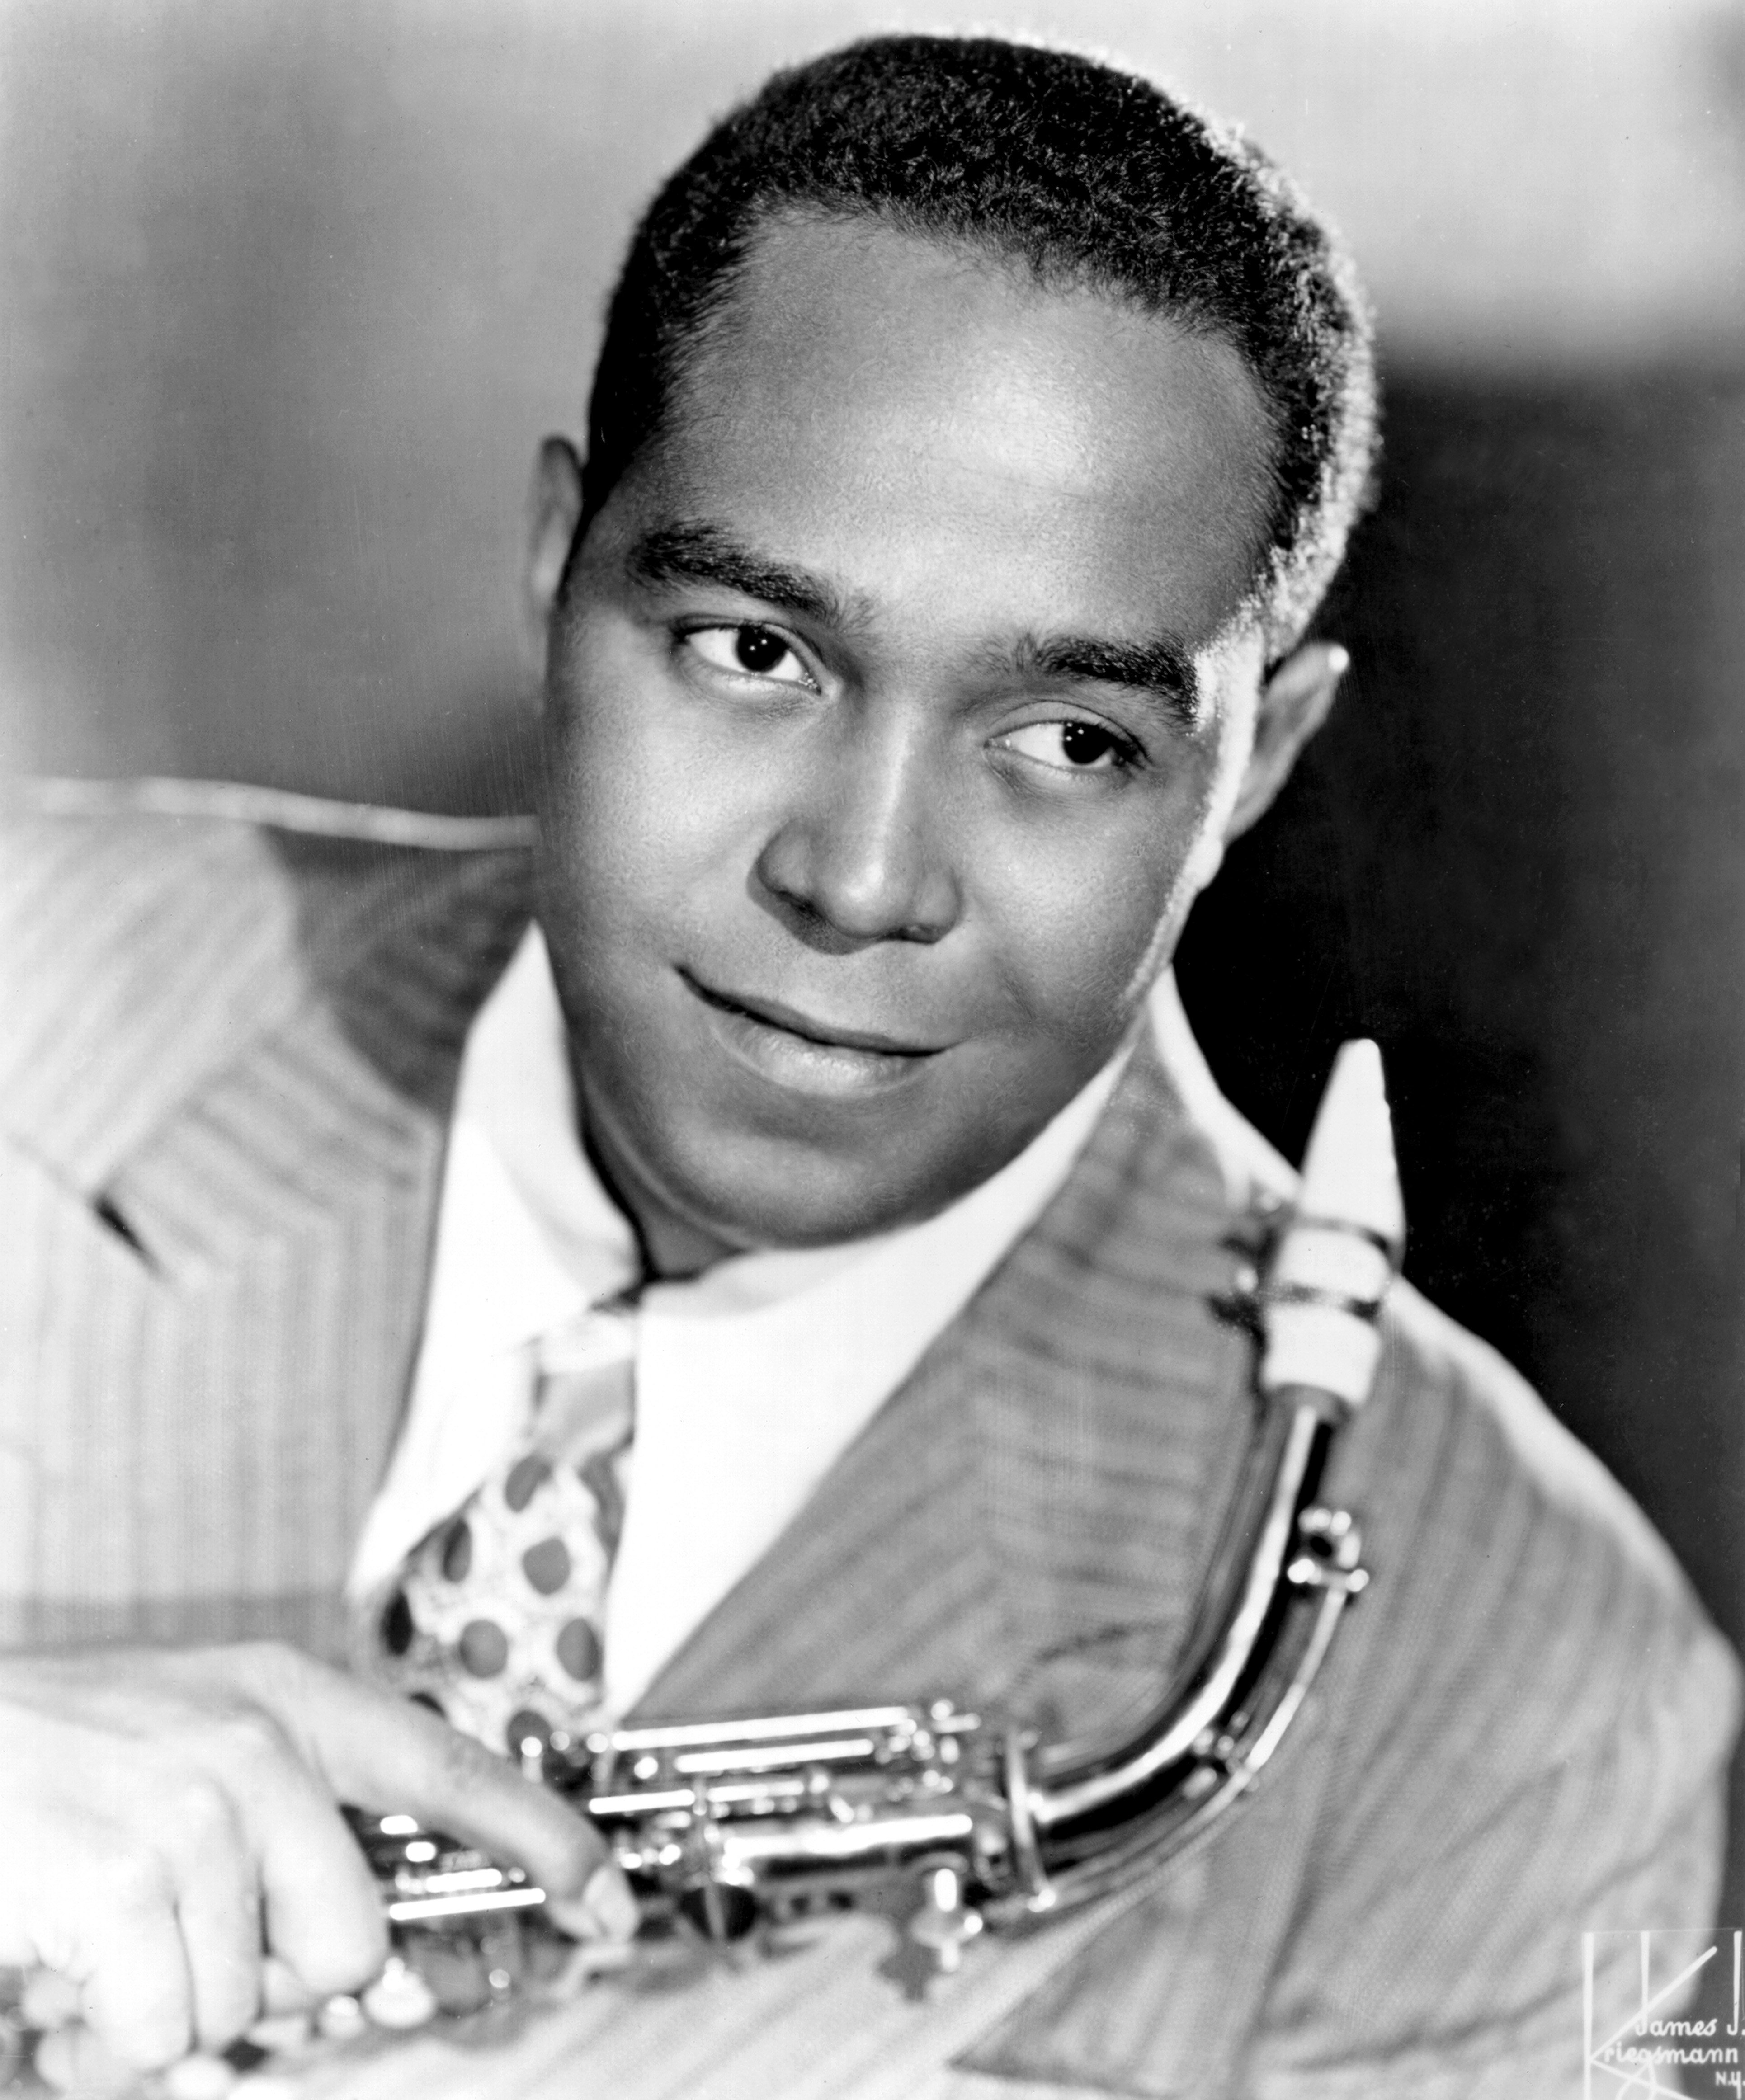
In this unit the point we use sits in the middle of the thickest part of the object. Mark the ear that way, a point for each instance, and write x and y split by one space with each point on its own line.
553 511
1294 703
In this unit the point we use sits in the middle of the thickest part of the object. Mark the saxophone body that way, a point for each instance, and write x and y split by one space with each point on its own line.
967 1822
729 1825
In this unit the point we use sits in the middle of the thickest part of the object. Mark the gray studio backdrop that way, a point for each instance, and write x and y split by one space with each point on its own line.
291 290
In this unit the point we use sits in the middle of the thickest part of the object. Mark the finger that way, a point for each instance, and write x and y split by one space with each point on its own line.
133 1971
452 1783
318 1908
75 2061
219 1912
385 1754
282 1990
605 1911
325 1920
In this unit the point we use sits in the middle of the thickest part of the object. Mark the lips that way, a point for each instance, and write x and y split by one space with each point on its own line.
802 1053
774 1015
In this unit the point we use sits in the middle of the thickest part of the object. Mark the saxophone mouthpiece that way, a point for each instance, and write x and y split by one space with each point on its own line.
1336 1256
1350 1177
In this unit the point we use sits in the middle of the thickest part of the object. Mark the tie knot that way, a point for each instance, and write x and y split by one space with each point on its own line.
601 1336
583 1385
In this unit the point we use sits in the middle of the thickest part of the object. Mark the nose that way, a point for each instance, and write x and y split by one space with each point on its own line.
861 852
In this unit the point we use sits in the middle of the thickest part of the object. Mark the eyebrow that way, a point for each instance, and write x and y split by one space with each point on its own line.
1162 666
695 552
703 553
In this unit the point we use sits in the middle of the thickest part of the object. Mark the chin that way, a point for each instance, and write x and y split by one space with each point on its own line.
794 1203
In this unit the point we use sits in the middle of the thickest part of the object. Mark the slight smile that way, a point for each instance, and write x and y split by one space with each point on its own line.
809 1056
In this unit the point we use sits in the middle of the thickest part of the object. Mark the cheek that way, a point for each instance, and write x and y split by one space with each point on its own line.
1084 920
638 818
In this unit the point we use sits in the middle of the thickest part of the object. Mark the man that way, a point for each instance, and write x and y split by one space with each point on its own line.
974 435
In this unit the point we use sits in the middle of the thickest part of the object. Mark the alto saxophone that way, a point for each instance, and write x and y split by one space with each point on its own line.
729 1825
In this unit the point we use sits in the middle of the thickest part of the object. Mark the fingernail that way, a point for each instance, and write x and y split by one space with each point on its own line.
608 1896
282 1990
605 1909
276 2032
597 1957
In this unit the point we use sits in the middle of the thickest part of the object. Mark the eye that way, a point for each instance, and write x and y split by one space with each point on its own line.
1072 746
748 651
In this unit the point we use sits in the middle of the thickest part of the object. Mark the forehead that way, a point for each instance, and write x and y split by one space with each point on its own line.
921 421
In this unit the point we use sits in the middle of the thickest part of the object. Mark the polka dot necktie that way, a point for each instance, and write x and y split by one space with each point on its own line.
496 1617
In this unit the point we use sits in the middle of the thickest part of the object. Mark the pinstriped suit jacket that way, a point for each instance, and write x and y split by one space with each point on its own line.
226 1057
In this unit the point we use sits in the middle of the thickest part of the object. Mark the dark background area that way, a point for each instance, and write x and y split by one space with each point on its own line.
289 294
1517 857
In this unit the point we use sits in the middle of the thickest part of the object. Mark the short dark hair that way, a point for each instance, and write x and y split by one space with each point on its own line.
1089 177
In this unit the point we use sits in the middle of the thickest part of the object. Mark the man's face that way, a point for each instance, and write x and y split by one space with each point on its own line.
896 706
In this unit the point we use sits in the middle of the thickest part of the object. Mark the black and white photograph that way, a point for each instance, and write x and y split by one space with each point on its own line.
872 1069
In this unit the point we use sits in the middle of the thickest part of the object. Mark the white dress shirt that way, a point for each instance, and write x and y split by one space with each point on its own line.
750 1379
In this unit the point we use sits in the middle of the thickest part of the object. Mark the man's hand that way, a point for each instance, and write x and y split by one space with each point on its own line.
171 1818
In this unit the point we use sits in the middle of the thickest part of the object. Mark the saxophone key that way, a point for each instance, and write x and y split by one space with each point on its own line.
197 2077
944 1924
342 2019
399 1997
48 2001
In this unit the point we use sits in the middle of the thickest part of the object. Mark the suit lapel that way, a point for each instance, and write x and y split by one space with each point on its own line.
1023 1523
248 1213
144 956
147 956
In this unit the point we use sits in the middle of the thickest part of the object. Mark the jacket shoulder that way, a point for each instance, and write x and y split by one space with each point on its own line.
150 931
1454 1432
1524 1624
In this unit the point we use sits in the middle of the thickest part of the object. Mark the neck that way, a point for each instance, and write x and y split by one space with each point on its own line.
672 1248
